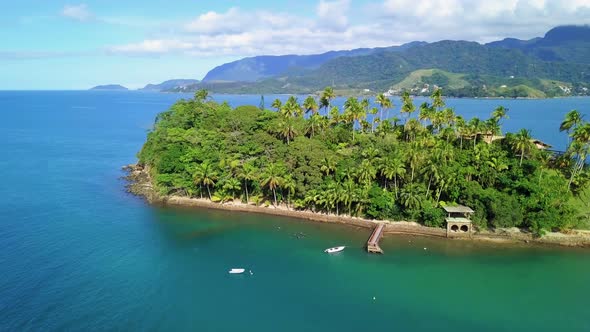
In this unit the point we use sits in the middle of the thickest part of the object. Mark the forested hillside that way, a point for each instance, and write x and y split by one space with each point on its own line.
335 161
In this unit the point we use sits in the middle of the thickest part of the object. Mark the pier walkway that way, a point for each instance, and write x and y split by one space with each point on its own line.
373 243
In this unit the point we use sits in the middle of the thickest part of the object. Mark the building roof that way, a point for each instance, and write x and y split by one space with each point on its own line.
458 209
491 138
540 144
458 220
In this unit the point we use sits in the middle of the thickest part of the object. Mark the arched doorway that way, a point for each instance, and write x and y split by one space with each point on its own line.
464 228
455 228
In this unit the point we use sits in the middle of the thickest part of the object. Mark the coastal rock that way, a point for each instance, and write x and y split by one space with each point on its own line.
140 183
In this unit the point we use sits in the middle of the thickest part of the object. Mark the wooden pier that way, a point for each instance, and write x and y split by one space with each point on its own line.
373 243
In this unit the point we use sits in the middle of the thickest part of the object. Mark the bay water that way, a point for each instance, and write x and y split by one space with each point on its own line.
78 253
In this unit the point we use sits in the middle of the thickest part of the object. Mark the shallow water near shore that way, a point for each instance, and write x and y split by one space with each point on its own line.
78 253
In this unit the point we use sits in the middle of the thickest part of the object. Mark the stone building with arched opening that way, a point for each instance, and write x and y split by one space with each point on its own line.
458 222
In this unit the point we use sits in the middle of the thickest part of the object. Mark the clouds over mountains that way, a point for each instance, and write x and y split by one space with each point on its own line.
334 25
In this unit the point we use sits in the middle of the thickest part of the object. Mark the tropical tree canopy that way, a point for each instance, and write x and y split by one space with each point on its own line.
337 162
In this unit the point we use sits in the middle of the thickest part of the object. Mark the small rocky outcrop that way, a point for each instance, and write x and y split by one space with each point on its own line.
140 183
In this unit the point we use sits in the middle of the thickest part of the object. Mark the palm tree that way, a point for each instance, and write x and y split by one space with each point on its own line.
202 95
286 129
414 155
328 166
432 170
247 173
312 123
229 165
412 128
522 143
437 99
348 194
272 178
232 185
579 147
384 103
449 117
410 197
278 104
371 154
373 111
334 115
390 169
582 133
323 123
365 103
500 113
475 127
426 113
398 169
571 121
359 115
366 172
491 127
498 166
205 174
446 180
289 185
354 112
310 105
291 108
407 104
326 98
462 129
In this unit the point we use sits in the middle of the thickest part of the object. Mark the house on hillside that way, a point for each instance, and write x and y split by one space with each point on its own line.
492 138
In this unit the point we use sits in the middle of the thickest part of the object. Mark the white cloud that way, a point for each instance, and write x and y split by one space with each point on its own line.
238 32
333 14
77 12
236 21
483 20
155 46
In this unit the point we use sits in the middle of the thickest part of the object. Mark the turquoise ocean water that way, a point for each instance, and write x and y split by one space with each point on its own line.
77 253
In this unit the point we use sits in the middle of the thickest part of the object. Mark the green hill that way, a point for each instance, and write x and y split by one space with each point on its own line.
418 78
510 68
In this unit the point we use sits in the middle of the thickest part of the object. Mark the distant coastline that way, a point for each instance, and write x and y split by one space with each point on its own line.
109 87
142 90
141 185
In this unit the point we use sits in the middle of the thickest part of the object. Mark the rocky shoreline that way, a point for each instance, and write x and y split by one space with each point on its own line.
140 184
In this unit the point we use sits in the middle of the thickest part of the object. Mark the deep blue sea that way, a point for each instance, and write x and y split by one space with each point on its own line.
77 253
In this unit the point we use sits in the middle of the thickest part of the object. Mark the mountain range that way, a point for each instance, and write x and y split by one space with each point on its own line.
557 64
170 84
259 67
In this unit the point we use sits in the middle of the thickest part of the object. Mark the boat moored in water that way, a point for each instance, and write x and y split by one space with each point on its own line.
334 250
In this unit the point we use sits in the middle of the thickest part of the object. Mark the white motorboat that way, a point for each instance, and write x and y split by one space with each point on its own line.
334 250
237 271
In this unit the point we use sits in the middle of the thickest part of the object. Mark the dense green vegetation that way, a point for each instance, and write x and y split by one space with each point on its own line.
318 157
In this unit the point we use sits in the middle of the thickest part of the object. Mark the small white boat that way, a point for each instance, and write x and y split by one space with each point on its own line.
334 250
237 271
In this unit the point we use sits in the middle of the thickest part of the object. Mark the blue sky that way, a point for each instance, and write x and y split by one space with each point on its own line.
49 44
